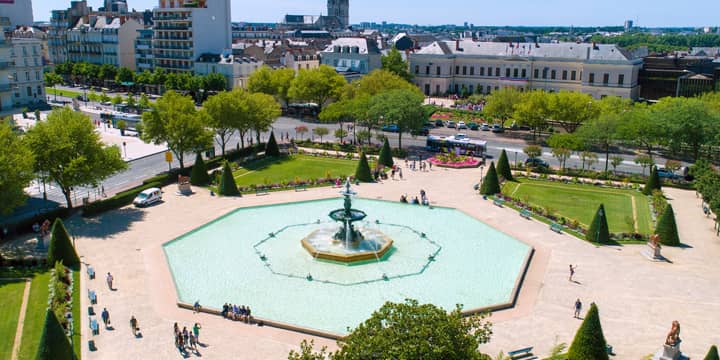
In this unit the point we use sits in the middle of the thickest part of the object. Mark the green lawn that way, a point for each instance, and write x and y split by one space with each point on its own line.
580 202
72 94
35 316
77 341
304 167
11 294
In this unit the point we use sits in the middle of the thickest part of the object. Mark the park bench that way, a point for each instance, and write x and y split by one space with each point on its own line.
499 202
521 353
94 327
91 272
91 311
261 191
526 213
300 188
92 296
556 227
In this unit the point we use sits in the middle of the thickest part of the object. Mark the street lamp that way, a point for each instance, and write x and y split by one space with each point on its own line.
125 149
482 167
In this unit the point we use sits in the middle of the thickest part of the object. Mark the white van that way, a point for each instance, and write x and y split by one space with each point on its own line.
147 197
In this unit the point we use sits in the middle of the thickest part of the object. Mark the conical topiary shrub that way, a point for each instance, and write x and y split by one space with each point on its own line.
503 167
362 172
228 187
272 149
386 157
490 184
61 248
712 354
653 182
589 342
54 345
598 231
199 174
667 228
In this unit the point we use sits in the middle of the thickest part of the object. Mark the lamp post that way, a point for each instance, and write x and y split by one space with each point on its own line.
482 167
125 149
600 218
516 158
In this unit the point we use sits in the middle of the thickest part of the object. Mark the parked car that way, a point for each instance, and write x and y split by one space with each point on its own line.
536 162
439 123
451 124
428 125
421 132
473 126
461 125
667 174
391 128
148 197
485 127
497 128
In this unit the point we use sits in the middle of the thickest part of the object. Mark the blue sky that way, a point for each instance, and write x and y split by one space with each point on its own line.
479 12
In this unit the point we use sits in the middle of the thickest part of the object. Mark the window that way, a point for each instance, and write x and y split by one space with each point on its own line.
489 89
545 73
552 74
437 89
572 75
37 75
427 89
464 70
606 79
472 70
507 72
592 78
15 78
27 76
564 75
489 71
39 90
457 88
497 71
482 71
537 73
621 79
437 71
515 73
457 70
524 73
417 69
29 91
471 89
427 70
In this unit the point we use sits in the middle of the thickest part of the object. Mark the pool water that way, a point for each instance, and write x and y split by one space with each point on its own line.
439 256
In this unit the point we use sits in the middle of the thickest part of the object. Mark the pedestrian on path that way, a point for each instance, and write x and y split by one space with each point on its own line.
133 325
578 308
196 332
572 271
105 317
109 279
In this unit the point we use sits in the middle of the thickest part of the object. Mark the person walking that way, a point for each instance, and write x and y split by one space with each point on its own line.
193 344
572 272
133 325
105 315
109 278
578 308
196 332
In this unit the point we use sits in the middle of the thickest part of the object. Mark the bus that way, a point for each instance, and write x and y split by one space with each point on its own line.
459 144
131 120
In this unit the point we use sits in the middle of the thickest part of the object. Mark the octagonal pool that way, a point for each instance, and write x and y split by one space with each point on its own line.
254 256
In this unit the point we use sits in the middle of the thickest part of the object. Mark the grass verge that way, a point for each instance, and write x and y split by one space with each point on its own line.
35 316
11 295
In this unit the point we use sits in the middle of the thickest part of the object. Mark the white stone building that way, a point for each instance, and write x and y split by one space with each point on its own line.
6 86
482 67
236 69
301 59
27 78
17 12
355 54
104 40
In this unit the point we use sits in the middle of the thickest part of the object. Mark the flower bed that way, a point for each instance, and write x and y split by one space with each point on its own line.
455 161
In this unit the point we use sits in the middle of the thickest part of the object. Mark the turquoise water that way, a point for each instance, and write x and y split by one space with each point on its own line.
475 265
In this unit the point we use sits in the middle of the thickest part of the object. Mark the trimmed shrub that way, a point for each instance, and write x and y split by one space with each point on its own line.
61 248
386 157
228 187
667 228
272 148
503 167
598 231
589 342
712 354
491 184
362 172
121 199
199 174
54 345
653 182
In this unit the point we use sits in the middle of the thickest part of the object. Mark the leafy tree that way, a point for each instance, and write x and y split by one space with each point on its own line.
640 127
117 100
271 148
362 172
712 354
93 96
199 174
491 183
302 129
144 103
107 72
52 79
644 161
598 231
588 158
307 352
589 342
687 121
175 121
503 167
214 82
228 187
653 182
394 63
272 82
376 82
70 153
399 107
125 75
54 344
321 131
104 97
226 113
386 157
410 330
533 151
667 228
562 147
533 110
16 167
601 132
144 78
672 165
615 161
263 109
571 109
61 248
319 85
131 102
340 134
501 103
122 126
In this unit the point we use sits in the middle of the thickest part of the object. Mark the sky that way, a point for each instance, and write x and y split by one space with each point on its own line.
646 13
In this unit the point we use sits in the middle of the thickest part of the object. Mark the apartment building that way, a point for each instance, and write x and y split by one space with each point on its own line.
304 58
482 67
184 30
236 69
144 59
27 78
6 89
103 40
352 55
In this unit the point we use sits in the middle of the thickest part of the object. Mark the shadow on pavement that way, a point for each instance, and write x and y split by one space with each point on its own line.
106 225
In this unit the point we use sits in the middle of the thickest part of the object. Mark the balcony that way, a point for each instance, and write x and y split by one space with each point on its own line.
173 56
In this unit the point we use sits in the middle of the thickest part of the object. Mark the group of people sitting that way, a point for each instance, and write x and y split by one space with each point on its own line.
415 201
237 313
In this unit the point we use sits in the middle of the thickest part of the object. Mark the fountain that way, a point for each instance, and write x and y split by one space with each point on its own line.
347 244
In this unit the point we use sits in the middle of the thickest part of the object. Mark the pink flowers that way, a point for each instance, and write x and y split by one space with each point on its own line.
454 162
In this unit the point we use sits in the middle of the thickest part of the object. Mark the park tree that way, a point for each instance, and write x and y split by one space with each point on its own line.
61 248
712 354
644 161
667 228
533 110
215 82
175 121
144 78
320 85
227 186
399 107
562 146
107 72
271 148
70 153
117 100
104 97
503 167
199 174
411 330
321 131
386 157
125 76
302 130
491 183
53 79
16 167
571 109
638 126
687 121
263 109
589 342
225 112
653 182
143 103
340 134
54 344
394 63
601 132
362 172
501 103
376 82
533 151
272 82
307 352
615 161
598 232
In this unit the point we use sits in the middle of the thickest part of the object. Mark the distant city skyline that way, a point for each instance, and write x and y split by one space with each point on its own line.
644 13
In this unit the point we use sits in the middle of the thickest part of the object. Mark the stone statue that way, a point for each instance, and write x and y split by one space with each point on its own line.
673 338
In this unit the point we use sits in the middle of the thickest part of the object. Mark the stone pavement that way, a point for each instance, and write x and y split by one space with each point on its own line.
638 299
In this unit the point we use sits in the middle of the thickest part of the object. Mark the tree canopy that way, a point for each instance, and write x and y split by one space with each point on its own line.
394 63
319 85
16 167
399 107
275 82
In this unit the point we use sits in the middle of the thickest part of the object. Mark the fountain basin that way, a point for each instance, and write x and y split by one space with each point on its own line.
320 244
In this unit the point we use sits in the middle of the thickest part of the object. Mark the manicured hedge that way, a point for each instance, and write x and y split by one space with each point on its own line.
117 201
362 172
61 248
386 154
598 232
503 167
272 148
199 174
589 342
667 228
491 184
54 344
